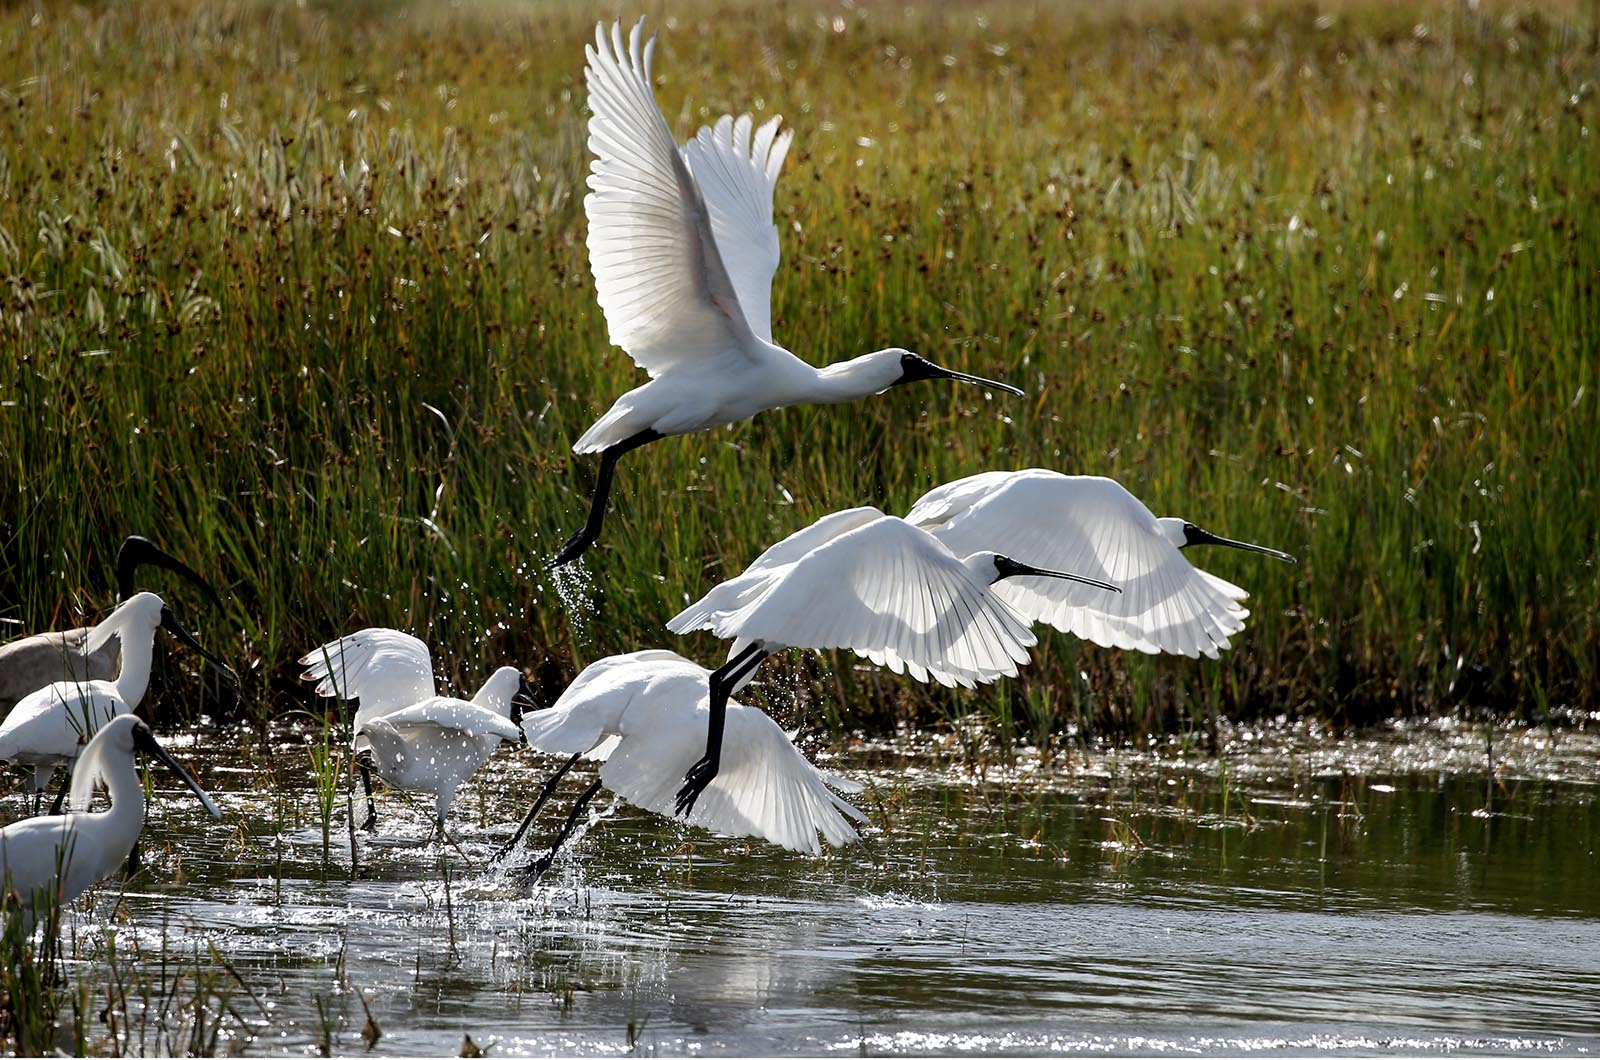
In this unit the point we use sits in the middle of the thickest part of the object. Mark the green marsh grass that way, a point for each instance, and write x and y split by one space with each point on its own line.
301 291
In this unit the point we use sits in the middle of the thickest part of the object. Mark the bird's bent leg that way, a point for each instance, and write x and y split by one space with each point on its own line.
579 542
549 789
723 681
542 866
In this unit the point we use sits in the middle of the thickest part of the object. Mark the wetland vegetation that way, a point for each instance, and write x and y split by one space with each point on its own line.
301 290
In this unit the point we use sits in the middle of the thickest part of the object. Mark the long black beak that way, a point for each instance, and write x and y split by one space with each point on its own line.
524 700
1193 535
938 372
145 741
1010 568
139 552
173 626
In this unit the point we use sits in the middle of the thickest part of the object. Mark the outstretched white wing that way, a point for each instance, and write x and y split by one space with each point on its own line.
886 591
766 787
736 173
768 568
645 716
657 269
1094 527
383 668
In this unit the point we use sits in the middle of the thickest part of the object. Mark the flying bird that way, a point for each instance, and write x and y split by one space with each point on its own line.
415 739
640 716
27 664
873 583
683 249
49 727
53 859
1092 524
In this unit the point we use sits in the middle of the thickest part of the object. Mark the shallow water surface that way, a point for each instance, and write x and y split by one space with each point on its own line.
1296 896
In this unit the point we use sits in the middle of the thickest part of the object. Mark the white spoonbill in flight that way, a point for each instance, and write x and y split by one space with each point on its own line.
872 583
27 664
683 248
1092 524
49 727
415 739
640 715
53 859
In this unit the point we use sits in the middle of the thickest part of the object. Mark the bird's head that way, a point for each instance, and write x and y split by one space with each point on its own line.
896 366
122 736
990 567
139 552
1183 534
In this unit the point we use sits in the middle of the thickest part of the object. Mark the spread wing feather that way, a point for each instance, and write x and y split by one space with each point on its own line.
1095 527
384 668
737 174
888 592
658 273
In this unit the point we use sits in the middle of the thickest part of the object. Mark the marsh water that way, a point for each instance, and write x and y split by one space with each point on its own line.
1425 890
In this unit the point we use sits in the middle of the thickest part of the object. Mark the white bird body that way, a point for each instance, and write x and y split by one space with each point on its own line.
1092 525
419 740
874 584
435 745
54 859
683 249
643 716
49 727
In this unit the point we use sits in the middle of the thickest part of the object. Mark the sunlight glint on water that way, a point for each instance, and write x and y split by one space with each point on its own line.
1112 905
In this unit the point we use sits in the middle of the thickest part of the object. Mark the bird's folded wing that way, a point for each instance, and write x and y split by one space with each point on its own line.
736 173
892 593
1093 527
453 715
660 279
384 668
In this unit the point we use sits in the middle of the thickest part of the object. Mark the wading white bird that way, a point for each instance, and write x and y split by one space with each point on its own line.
641 716
415 739
683 248
872 583
53 859
27 664
48 728
1094 525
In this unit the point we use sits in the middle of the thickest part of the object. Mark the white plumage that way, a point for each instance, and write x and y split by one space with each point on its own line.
49 727
1092 525
418 740
683 250
643 715
874 584
54 859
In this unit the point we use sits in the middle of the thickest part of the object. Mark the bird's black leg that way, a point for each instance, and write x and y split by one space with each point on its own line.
723 680
542 866
549 789
61 796
371 823
579 542
132 868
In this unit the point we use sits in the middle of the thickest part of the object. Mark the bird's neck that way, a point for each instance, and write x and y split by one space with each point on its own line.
121 823
134 680
849 380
